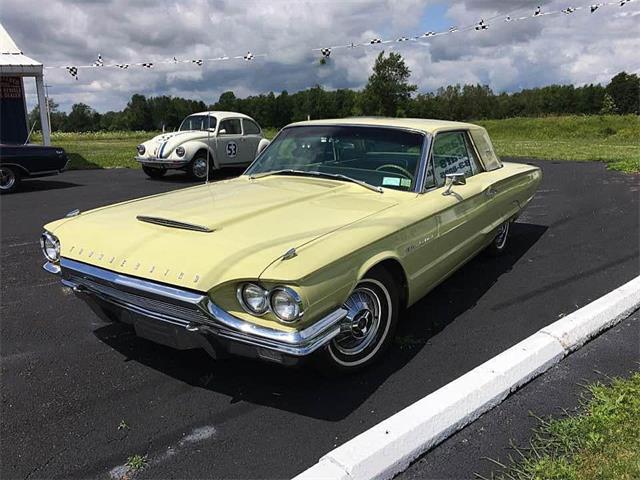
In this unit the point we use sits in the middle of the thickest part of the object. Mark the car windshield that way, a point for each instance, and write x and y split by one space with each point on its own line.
378 156
198 122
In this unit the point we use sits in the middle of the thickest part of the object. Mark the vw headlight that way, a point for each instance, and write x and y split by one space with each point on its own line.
50 247
253 298
286 304
180 151
141 149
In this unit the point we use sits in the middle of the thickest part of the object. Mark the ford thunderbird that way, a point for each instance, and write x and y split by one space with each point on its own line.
205 142
312 253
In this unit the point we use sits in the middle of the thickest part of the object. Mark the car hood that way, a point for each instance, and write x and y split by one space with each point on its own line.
163 144
250 223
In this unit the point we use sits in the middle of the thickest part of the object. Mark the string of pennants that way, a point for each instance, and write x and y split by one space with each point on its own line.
325 52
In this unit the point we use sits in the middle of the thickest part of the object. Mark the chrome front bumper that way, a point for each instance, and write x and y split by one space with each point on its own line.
188 312
161 162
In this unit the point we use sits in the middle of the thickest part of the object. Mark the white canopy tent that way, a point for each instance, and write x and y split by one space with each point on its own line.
14 63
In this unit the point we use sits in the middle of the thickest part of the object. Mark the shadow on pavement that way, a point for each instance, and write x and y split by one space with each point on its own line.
302 390
36 185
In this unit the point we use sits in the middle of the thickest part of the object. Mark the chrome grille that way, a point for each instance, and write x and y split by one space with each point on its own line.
169 311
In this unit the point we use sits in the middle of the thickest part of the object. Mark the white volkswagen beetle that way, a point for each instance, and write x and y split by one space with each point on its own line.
213 139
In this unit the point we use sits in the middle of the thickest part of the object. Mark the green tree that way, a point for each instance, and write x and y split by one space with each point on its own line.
227 102
608 105
624 88
58 118
82 118
388 91
138 113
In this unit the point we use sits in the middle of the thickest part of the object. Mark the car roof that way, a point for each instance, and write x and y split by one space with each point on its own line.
221 115
421 124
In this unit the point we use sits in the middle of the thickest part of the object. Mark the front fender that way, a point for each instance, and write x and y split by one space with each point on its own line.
191 148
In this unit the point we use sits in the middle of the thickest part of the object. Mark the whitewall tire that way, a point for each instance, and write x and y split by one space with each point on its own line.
369 328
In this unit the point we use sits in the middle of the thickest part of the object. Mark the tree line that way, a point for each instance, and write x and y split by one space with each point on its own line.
388 92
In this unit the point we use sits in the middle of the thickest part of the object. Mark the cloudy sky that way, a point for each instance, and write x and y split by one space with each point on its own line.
578 48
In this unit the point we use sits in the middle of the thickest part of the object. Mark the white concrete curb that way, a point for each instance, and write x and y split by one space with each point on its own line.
389 447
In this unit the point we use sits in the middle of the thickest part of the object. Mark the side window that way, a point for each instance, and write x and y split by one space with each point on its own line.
250 128
453 153
230 126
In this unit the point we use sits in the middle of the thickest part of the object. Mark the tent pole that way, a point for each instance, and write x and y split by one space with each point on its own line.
43 107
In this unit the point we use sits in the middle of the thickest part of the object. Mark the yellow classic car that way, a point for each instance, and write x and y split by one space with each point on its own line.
312 253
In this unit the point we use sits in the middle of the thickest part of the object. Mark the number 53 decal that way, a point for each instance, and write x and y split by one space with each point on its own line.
232 149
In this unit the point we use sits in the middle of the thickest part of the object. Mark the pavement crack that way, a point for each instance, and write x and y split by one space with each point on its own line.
55 455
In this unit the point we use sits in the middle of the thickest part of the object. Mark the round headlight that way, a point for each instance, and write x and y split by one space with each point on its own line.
50 247
180 151
141 149
286 304
253 298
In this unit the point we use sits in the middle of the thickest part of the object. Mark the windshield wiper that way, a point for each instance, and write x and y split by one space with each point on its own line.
315 173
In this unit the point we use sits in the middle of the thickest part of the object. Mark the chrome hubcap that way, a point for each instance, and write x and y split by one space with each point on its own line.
501 237
7 178
200 168
362 322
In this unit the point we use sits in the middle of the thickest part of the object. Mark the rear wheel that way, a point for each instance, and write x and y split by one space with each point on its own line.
9 179
153 172
499 244
197 169
369 328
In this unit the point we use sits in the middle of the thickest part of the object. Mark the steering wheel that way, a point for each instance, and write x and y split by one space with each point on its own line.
391 166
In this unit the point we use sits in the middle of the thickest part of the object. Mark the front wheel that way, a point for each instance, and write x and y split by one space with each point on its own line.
197 169
9 179
369 327
153 172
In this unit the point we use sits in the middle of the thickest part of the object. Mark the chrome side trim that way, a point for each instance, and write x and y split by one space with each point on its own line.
167 222
194 311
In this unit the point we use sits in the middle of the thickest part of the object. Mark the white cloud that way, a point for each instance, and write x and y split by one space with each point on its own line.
578 48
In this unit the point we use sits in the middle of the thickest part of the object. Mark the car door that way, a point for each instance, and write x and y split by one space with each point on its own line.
461 215
251 136
229 149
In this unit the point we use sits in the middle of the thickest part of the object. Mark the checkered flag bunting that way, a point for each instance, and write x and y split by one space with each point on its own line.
526 13
73 71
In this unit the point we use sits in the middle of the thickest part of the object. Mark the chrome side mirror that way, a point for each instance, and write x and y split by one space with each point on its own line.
452 179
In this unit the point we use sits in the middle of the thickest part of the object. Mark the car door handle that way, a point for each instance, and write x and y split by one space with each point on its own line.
491 192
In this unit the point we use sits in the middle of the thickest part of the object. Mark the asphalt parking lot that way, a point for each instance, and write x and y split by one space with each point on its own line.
69 382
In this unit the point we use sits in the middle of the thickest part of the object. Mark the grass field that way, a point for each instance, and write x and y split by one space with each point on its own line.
612 139
601 443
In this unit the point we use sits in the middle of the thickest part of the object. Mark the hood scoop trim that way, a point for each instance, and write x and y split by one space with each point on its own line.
166 222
